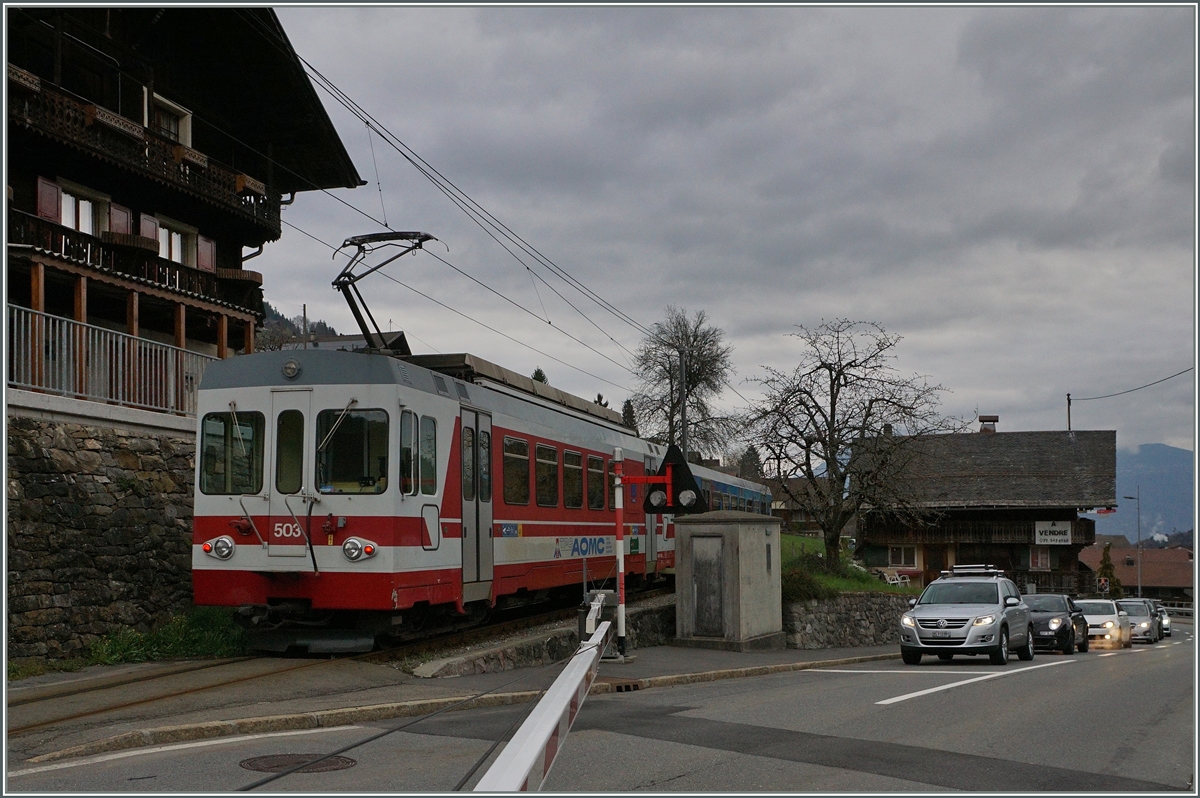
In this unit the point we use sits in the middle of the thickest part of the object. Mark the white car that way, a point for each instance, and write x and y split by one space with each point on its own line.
1106 624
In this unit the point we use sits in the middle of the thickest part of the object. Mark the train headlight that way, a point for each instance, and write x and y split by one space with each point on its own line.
356 549
221 548
291 369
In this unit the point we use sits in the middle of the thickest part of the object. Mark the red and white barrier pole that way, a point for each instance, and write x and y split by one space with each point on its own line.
618 462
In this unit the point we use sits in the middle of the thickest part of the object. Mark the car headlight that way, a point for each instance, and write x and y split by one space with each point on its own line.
984 620
1055 623
1144 625
907 620
1109 624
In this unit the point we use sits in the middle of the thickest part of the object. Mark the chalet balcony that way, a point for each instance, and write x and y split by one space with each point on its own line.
126 256
49 111
50 354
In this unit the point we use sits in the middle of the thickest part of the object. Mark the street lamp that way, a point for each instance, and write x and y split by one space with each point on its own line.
1138 499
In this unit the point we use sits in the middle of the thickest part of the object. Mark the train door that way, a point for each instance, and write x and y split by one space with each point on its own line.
477 553
289 474
651 528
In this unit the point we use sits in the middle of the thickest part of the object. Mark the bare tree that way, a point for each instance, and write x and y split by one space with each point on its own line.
708 368
839 428
274 336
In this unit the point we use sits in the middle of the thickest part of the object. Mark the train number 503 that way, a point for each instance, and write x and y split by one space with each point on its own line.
285 530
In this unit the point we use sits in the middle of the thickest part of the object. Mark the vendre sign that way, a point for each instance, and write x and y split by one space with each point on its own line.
1052 533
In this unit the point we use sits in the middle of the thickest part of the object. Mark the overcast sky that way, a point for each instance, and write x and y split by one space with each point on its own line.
1010 189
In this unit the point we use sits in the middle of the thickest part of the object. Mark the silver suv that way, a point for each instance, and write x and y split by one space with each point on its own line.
971 609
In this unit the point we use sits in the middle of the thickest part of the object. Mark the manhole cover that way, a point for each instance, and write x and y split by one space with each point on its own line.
280 762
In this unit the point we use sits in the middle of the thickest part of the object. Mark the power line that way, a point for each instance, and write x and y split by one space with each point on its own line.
1131 390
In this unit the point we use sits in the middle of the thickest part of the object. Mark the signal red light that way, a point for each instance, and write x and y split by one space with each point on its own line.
368 550
207 548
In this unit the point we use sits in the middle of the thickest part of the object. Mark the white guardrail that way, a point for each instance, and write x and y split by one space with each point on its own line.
525 761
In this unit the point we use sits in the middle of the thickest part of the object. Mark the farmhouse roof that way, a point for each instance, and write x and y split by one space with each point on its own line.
1076 469
1160 567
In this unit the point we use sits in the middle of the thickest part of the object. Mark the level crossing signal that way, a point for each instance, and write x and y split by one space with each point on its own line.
686 498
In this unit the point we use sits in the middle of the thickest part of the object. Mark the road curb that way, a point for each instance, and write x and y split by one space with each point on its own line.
328 718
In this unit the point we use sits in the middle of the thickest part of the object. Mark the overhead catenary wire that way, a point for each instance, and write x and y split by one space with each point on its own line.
1131 390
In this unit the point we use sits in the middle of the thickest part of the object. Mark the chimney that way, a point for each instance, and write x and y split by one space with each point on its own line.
987 424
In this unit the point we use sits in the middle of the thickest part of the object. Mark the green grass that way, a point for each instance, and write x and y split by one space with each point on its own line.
23 670
792 547
202 633
807 576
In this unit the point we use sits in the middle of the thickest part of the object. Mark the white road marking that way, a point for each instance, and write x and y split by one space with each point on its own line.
920 693
1109 654
92 760
910 670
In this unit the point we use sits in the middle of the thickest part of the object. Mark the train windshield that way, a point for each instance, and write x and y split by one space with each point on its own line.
231 453
352 451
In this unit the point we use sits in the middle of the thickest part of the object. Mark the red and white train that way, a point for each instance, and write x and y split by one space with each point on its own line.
343 495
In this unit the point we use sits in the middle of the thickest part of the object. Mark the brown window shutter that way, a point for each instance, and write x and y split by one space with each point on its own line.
49 201
120 219
149 227
206 254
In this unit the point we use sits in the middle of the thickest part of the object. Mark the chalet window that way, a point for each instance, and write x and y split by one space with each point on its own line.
1039 558
78 213
206 254
516 471
49 200
902 556
120 219
168 119
176 242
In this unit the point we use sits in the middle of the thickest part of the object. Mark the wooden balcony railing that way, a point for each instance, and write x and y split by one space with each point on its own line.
131 261
125 142
51 354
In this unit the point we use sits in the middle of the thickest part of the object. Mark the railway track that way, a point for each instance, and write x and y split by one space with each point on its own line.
409 649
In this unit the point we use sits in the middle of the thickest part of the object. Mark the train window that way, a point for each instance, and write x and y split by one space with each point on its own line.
546 476
516 471
485 466
595 482
408 447
429 477
572 480
289 451
231 455
468 464
352 450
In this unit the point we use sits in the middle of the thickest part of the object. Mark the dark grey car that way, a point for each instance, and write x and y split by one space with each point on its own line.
970 610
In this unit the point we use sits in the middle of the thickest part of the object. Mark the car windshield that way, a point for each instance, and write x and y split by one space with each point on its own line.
1096 607
1133 607
1046 603
960 593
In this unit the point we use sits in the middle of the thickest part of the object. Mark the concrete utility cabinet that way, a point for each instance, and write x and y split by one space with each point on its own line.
727 586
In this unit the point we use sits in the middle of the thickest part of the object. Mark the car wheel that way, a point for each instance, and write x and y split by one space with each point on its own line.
1069 648
1026 652
945 657
910 657
1084 645
1000 655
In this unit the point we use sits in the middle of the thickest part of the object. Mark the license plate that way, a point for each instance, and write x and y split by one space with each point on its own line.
1047 634
941 633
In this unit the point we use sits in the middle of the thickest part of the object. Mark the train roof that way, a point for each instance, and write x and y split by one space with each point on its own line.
472 368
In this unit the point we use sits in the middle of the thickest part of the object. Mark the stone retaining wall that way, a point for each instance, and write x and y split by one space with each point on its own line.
851 619
98 532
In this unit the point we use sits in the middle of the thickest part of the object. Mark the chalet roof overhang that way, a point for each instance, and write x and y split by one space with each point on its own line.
238 69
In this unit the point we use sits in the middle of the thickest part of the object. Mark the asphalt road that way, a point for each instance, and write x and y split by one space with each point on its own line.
1101 721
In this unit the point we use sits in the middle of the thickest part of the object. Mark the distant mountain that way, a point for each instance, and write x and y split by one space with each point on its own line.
1165 474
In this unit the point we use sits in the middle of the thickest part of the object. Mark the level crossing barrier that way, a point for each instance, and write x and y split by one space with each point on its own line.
526 760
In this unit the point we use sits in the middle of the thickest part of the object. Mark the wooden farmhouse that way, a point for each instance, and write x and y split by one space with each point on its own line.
150 151
1009 499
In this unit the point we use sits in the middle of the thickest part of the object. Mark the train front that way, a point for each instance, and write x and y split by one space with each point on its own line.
302 521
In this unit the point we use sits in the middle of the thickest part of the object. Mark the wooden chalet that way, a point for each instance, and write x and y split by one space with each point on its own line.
150 151
1010 499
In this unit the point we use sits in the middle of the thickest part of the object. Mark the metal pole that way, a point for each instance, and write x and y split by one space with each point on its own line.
1068 412
683 436
304 332
1139 524
618 457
